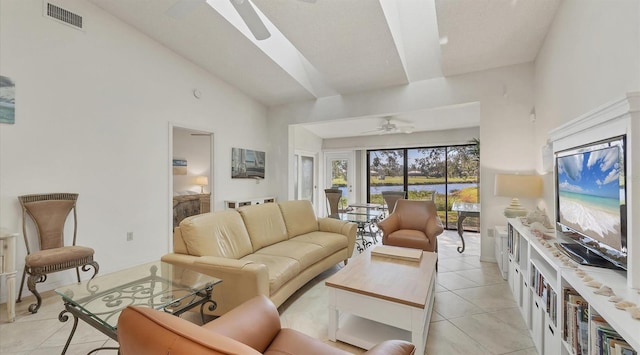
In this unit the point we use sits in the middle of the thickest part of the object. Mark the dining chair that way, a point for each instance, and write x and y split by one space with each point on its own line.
333 201
50 212
390 198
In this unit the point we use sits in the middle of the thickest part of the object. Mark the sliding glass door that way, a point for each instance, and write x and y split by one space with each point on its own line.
443 174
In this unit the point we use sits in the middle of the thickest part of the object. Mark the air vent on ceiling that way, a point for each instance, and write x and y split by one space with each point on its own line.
64 16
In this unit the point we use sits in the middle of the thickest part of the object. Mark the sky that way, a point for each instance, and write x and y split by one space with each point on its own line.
593 173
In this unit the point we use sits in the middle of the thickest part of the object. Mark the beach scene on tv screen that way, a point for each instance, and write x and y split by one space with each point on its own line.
589 194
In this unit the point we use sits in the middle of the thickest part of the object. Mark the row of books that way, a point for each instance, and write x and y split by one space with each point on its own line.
581 330
606 341
542 288
576 321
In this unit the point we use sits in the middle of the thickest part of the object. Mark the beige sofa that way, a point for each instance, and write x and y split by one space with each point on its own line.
271 249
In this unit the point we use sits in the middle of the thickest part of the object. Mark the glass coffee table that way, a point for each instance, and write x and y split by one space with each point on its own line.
157 285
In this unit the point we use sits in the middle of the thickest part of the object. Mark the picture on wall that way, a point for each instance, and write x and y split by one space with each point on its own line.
179 166
7 100
246 163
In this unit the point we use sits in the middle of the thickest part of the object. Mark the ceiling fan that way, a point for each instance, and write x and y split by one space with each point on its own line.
388 127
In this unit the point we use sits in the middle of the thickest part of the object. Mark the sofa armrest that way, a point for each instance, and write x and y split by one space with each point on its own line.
241 279
345 228
393 347
255 323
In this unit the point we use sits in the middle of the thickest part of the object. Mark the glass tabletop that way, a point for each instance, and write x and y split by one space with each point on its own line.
360 215
157 285
465 207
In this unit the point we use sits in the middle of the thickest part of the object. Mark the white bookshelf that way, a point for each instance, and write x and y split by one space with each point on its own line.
529 257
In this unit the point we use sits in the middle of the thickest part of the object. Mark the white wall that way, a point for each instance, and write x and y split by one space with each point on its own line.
505 96
590 57
92 116
196 149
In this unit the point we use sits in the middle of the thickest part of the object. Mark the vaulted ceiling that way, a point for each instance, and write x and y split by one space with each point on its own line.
321 48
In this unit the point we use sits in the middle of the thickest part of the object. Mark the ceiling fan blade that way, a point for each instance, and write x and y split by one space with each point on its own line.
183 8
251 18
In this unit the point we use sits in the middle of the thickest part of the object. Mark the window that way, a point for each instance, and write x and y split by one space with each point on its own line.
451 173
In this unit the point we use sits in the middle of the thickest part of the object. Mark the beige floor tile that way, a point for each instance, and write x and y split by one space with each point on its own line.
484 327
489 298
445 338
25 336
529 351
483 275
449 305
452 281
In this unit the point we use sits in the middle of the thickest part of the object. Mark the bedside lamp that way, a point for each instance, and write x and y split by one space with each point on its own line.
517 186
202 181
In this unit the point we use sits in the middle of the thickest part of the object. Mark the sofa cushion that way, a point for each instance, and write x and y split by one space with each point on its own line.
305 253
264 224
330 242
281 268
221 234
299 217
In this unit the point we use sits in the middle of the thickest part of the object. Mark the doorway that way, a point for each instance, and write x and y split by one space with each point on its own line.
191 177
340 173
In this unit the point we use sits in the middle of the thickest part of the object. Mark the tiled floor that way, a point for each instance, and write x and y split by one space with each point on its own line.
474 313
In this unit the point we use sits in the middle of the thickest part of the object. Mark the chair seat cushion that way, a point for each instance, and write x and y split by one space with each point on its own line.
58 256
409 238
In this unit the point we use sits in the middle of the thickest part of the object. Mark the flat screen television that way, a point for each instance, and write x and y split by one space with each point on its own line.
591 202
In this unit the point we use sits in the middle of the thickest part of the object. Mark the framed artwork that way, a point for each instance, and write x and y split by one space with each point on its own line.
179 166
7 100
247 164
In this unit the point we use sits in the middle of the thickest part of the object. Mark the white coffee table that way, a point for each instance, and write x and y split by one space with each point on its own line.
377 298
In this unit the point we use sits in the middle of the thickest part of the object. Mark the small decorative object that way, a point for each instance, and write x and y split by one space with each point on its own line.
587 278
594 284
615 299
635 312
538 216
179 166
7 100
624 305
604 291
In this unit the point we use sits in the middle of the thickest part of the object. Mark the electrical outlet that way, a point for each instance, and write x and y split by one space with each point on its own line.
129 236
490 232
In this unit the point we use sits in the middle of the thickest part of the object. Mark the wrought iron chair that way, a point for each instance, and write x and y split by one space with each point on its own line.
50 212
390 198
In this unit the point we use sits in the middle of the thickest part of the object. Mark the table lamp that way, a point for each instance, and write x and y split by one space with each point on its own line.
202 181
517 186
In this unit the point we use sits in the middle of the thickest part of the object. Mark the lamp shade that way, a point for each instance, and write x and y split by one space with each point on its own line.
511 185
202 180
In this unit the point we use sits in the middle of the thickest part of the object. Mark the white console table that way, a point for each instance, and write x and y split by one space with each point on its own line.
235 204
8 270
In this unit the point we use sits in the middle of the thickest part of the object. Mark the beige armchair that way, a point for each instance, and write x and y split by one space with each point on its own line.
251 328
413 224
